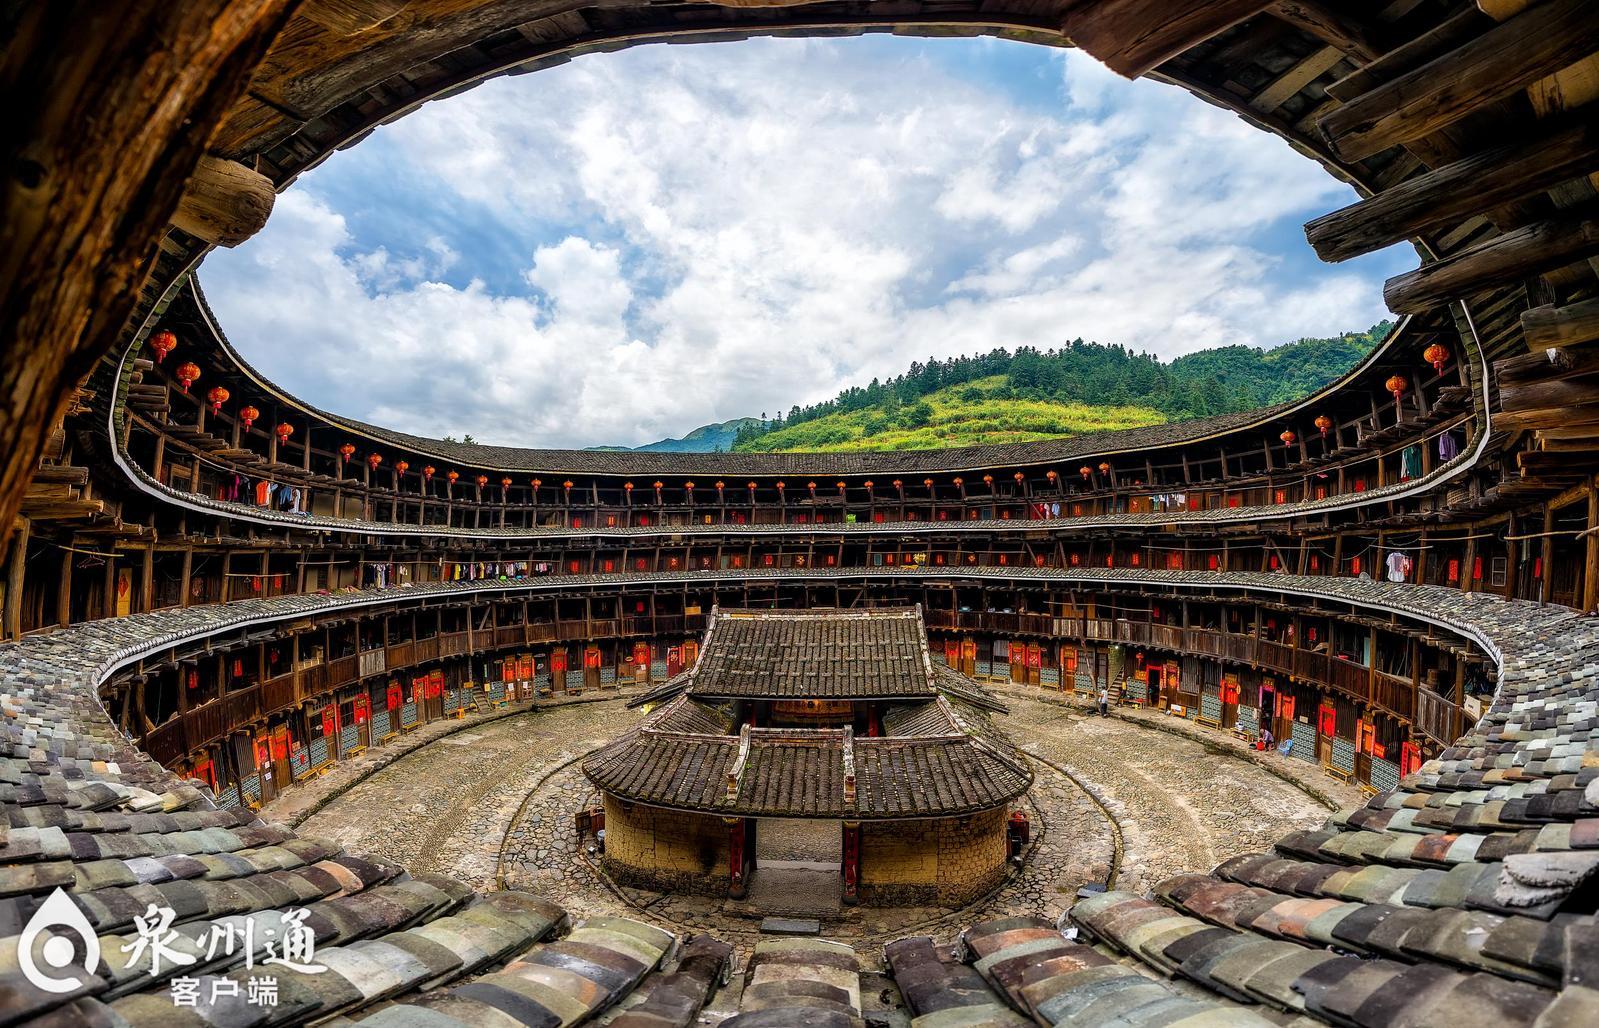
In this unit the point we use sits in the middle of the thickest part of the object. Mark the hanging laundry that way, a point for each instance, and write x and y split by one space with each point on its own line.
1448 448
1398 567
1410 462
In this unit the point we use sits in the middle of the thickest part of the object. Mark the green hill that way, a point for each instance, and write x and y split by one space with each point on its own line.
963 415
1003 396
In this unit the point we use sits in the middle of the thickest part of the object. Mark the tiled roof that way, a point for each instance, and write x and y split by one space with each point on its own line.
939 761
865 654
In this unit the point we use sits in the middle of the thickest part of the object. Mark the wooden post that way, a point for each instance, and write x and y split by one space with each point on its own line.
1546 553
14 572
1590 566
188 575
64 587
147 579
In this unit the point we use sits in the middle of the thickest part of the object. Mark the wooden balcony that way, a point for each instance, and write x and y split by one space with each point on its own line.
401 655
452 644
343 671
1395 694
1350 678
1437 718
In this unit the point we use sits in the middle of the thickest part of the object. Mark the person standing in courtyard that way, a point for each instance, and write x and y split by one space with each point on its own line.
1104 702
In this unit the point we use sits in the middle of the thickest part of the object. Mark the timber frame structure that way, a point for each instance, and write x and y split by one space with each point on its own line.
1219 569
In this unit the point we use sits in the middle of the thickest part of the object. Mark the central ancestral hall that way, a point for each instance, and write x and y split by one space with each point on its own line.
822 716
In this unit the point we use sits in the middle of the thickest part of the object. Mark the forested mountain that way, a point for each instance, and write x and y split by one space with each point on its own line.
1074 378
705 439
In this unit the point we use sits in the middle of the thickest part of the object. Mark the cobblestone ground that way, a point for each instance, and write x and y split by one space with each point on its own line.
444 807
1170 802
1182 804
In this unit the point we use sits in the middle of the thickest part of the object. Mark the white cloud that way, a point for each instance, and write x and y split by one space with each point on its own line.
711 232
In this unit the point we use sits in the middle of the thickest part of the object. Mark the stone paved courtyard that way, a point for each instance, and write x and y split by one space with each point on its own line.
493 804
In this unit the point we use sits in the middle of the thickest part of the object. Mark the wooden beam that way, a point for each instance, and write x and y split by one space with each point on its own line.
1354 36
225 203
1437 41
1456 191
1501 261
348 17
1550 327
1132 37
1503 60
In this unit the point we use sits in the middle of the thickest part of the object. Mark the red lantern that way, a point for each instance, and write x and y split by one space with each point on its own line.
1287 437
1104 467
781 486
627 487
163 343
188 374
453 476
567 485
347 451
840 488
1085 471
928 482
428 472
1396 384
218 396
988 479
868 485
719 485
283 431
1018 476
505 483
248 416
689 486
959 481
899 485
1324 424
1436 355
401 467
374 459
1051 475
751 487
482 480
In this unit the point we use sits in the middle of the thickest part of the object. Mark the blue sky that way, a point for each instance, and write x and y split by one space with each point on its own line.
634 244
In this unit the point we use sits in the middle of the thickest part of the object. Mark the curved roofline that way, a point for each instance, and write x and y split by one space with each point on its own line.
1463 462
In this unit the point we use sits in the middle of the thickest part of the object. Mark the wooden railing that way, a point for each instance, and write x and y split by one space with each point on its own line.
1349 677
1438 718
343 671
1394 693
452 644
426 650
401 655
1275 656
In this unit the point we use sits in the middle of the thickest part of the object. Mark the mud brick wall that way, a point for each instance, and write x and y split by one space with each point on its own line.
948 862
669 850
